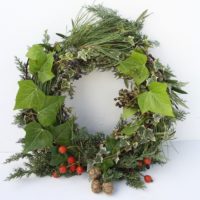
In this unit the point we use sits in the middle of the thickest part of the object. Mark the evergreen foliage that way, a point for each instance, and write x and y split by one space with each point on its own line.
99 39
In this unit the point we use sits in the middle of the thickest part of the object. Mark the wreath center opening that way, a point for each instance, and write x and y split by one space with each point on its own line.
93 101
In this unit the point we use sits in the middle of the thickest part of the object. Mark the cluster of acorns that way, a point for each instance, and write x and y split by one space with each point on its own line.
71 164
146 162
97 186
126 98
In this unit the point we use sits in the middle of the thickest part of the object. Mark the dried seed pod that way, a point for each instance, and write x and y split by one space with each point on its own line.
96 186
94 172
107 187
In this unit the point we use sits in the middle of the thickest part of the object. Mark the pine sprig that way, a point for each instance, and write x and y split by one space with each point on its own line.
19 173
15 157
23 68
92 31
134 180
46 38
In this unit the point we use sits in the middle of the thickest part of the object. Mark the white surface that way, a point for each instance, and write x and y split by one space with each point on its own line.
178 179
174 23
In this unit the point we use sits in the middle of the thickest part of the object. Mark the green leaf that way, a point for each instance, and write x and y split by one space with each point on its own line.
63 133
112 144
36 53
130 130
178 90
128 112
107 163
156 100
45 73
29 96
36 57
36 137
134 67
56 157
54 150
40 62
47 115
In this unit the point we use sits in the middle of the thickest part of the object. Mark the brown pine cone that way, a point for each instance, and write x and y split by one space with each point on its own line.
107 187
96 186
94 173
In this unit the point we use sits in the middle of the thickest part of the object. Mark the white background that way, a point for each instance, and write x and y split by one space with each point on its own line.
174 23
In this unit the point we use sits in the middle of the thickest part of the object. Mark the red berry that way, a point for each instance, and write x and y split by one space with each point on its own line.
139 163
63 169
72 168
79 170
71 160
147 161
55 175
148 179
62 149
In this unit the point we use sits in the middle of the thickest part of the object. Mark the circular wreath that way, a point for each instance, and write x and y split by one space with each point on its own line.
54 144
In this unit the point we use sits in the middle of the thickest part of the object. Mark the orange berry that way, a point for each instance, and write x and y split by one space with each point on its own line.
71 160
72 168
147 161
63 169
79 170
55 174
148 179
62 149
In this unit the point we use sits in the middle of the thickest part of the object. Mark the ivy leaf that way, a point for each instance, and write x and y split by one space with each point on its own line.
40 62
130 130
37 57
156 100
45 73
29 96
47 115
107 163
128 112
134 67
36 137
63 133
56 157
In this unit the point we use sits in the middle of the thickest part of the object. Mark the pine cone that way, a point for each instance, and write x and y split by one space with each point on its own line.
94 173
96 186
107 187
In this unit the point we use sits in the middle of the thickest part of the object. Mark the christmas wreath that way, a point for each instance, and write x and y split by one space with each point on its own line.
54 144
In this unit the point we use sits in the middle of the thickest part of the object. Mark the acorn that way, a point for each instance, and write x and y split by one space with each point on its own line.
96 186
107 187
94 173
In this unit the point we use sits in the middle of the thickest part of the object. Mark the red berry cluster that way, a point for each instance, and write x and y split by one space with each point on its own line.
145 162
72 164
